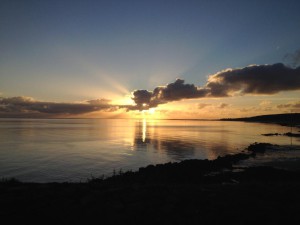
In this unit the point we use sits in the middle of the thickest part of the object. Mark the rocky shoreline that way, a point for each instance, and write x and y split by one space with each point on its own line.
188 192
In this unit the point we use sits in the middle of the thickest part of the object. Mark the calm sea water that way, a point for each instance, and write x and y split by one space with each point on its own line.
57 150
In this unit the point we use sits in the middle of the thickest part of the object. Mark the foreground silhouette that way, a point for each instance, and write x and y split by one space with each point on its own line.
189 192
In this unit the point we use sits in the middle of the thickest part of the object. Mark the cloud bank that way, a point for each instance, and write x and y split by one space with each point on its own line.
255 79
23 104
251 80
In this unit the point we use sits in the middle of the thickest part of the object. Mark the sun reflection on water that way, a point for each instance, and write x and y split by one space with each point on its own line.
144 129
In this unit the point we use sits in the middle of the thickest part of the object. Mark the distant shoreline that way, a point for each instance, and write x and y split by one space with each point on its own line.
288 119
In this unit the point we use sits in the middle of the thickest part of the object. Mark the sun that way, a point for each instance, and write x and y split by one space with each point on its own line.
149 114
151 111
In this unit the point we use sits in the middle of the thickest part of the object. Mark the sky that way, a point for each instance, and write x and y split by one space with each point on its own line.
160 59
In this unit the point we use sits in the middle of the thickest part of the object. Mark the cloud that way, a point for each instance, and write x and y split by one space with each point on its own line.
293 59
23 104
203 105
176 91
99 101
142 97
222 105
265 103
295 105
254 79
219 106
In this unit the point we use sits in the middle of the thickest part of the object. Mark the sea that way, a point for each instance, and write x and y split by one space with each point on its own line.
76 150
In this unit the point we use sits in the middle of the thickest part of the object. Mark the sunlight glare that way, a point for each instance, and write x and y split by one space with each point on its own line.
125 100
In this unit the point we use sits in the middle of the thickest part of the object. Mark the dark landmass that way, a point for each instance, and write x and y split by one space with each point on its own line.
289 134
188 192
288 119
272 134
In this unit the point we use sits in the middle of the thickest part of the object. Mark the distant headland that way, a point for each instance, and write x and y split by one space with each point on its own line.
287 119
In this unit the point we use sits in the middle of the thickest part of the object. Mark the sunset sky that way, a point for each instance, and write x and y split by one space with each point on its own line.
158 59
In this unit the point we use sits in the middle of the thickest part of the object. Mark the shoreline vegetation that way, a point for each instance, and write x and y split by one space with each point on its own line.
188 192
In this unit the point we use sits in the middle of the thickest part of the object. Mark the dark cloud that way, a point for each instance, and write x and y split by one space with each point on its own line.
172 92
255 79
142 98
177 91
28 105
